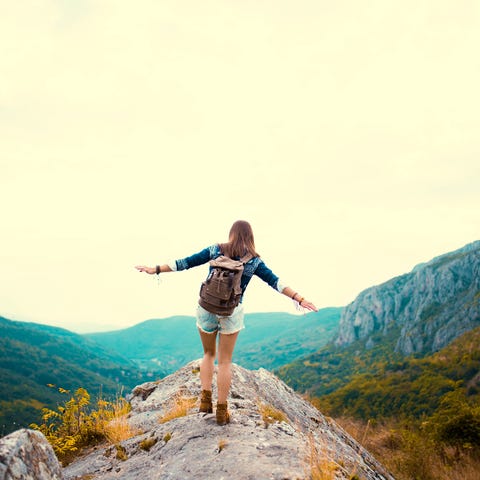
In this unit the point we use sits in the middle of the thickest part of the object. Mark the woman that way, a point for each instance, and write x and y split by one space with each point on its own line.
240 244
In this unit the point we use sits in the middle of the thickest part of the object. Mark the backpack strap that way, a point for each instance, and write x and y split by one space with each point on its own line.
246 258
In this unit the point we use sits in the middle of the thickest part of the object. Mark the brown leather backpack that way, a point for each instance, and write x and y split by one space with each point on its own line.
220 293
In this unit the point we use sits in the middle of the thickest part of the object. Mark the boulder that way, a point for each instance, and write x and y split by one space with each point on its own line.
27 455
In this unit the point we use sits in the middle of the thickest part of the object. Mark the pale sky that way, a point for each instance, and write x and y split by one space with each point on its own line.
347 133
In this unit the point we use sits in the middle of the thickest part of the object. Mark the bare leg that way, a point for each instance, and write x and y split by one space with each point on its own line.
206 366
224 374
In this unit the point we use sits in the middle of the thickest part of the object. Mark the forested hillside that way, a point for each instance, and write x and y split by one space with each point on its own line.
36 360
410 387
380 364
403 374
269 339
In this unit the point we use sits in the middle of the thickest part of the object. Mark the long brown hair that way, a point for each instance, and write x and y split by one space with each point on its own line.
240 240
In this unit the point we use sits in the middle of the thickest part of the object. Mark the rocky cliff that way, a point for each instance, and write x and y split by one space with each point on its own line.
274 434
421 311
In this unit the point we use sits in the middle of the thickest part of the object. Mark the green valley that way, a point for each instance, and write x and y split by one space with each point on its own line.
269 339
37 360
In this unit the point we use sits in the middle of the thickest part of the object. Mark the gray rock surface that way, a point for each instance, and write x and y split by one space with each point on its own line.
195 447
422 311
27 455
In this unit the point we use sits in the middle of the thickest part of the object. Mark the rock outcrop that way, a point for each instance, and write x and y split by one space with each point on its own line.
27 455
273 434
421 311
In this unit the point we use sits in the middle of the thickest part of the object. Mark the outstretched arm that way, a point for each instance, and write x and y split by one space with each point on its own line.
269 277
152 270
290 293
175 266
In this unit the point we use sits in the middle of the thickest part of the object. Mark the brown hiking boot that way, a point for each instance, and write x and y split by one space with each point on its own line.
223 415
206 402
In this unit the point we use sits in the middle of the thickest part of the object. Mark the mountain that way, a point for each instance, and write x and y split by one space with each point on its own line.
412 387
274 339
387 339
269 339
158 343
274 433
426 308
33 356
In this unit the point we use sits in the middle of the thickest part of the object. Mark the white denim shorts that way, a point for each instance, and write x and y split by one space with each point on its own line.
210 322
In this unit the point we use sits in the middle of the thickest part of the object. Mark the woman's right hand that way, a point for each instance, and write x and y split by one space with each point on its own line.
144 268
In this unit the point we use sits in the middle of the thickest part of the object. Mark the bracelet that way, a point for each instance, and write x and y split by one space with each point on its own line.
301 300
157 269
294 295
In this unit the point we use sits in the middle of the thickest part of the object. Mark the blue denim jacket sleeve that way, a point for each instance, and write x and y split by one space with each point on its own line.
263 272
199 258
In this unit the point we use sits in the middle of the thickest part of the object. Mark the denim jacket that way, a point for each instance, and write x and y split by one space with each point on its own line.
255 266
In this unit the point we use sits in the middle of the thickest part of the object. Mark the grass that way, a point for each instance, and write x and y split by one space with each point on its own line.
118 429
321 466
222 443
270 414
410 455
353 474
148 443
121 453
178 408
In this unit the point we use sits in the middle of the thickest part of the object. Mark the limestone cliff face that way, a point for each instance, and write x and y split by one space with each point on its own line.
194 447
422 311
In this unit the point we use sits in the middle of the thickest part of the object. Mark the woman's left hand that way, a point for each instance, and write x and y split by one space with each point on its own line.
308 305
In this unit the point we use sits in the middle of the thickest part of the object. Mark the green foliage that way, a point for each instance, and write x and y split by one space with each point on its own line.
269 339
410 452
433 401
456 422
378 383
157 346
416 449
75 424
33 356
431 311
331 368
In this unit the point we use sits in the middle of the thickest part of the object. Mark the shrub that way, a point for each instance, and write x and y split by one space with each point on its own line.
121 453
148 443
456 422
410 452
222 443
178 408
75 424
270 414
